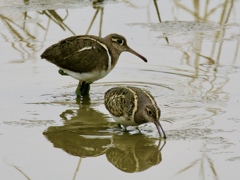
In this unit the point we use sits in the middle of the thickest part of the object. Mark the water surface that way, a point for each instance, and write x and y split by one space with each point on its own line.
192 71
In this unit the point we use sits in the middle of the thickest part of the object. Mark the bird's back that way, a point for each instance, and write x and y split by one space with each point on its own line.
120 101
78 54
130 103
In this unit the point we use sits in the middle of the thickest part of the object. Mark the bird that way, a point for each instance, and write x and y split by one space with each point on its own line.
87 58
132 106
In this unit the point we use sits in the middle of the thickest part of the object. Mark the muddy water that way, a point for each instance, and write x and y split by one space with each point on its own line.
193 73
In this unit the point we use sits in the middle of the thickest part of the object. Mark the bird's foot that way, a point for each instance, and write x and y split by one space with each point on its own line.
60 71
120 126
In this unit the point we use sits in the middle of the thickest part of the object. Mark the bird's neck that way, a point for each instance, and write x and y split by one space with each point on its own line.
114 55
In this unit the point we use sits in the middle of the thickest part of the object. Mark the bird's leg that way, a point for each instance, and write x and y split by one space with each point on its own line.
78 92
83 89
60 71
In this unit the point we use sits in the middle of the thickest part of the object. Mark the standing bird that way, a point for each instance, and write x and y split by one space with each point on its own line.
87 58
131 106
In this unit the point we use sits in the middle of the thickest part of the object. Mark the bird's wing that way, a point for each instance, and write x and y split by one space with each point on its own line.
119 102
78 53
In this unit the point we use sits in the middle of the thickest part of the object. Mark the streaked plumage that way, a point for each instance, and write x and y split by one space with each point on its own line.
88 58
131 106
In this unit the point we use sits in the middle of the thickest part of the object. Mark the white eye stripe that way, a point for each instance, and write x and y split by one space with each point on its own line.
119 41
153 103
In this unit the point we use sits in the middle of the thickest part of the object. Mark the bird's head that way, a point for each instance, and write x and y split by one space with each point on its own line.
118 44
150 113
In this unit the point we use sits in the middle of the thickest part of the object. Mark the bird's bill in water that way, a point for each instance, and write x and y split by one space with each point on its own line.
159 128
137 54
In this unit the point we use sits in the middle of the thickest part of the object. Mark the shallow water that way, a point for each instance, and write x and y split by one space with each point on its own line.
192 71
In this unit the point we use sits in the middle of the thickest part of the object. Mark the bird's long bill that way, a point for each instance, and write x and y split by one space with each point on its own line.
137 54
159 128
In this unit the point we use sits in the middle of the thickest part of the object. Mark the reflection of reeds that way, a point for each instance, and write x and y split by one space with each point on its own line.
77 169
226 10
201 162
13 26
24 174
197 46
223 21
55 17
159 17
93 19
24 40
211 70
20 33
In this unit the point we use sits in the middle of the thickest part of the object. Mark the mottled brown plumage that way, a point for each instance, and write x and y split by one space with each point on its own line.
88 58
66 54
131 106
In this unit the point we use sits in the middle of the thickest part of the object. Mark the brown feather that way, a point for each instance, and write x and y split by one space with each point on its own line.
67 54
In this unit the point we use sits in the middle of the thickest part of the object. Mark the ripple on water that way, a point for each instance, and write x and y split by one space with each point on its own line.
185 99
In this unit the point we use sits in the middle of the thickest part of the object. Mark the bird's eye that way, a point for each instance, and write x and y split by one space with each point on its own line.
149 112
120 41
150 160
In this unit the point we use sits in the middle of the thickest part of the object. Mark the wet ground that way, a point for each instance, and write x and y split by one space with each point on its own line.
193 72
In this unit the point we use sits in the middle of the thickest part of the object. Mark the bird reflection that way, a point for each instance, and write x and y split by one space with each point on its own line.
128 153
85 117
87 133
76 141
135 153
84 132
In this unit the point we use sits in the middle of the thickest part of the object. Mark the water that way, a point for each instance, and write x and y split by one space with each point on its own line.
192 71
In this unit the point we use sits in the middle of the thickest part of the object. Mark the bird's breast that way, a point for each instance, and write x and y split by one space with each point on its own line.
125 121
88 76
